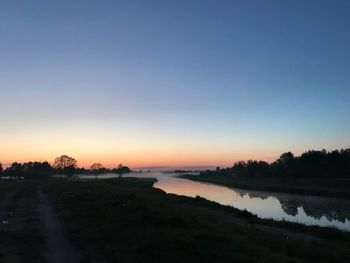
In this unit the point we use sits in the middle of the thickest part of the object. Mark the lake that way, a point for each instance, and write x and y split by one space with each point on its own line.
308 210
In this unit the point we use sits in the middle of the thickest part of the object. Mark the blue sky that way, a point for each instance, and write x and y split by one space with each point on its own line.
184 82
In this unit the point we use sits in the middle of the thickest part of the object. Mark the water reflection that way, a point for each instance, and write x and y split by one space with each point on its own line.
316 207
309 210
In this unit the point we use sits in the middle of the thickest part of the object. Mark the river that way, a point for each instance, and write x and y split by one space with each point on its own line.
308 210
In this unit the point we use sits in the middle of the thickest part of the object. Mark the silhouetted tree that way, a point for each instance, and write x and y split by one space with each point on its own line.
15 169
121 169
29 169
320 164
286 157
1 169
251 168
65 164
96 168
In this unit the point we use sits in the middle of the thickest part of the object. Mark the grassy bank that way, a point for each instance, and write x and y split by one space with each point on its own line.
322 187
21 238
126 220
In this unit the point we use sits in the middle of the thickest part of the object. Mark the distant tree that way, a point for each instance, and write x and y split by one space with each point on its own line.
16 169
312 163
286 157
121 169
96 168
250 168
1 169
37 169
65 164
285 165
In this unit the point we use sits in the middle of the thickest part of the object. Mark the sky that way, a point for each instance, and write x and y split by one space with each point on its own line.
180 83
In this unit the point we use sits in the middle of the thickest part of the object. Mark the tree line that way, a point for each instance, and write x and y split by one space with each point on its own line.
310 164
63 164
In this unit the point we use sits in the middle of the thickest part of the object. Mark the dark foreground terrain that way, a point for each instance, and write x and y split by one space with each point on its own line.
126 220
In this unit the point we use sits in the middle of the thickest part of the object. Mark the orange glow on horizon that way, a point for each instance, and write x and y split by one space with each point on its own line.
138 159
135 147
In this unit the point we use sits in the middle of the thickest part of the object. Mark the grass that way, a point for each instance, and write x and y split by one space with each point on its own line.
126 220
21 239
322 187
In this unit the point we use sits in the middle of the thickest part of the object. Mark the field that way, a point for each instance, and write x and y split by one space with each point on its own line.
126 220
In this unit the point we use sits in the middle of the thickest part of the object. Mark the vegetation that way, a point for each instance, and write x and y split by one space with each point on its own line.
310 164
182 171
313 172
65 165
122 170
21 238
313 186
129 221
62 165
29 169
96 168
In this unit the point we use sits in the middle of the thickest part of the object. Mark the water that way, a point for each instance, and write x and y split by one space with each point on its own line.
308 210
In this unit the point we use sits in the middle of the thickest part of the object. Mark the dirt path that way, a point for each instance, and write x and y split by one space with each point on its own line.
20 235
59 249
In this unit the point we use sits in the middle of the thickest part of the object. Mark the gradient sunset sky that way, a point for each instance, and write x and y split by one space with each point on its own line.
180 82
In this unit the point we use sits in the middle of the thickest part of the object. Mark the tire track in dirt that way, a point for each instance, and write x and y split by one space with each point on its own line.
59 250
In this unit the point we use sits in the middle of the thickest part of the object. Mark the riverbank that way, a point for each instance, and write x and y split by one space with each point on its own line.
127 220
339 188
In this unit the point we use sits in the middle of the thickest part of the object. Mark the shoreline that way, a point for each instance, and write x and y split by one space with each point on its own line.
123 219
278 186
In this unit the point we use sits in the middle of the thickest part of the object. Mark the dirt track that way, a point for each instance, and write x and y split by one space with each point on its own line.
29 228
58 247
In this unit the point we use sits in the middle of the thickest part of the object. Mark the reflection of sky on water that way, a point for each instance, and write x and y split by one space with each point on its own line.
310 210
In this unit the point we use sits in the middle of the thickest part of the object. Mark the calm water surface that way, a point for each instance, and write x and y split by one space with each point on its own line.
309 210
